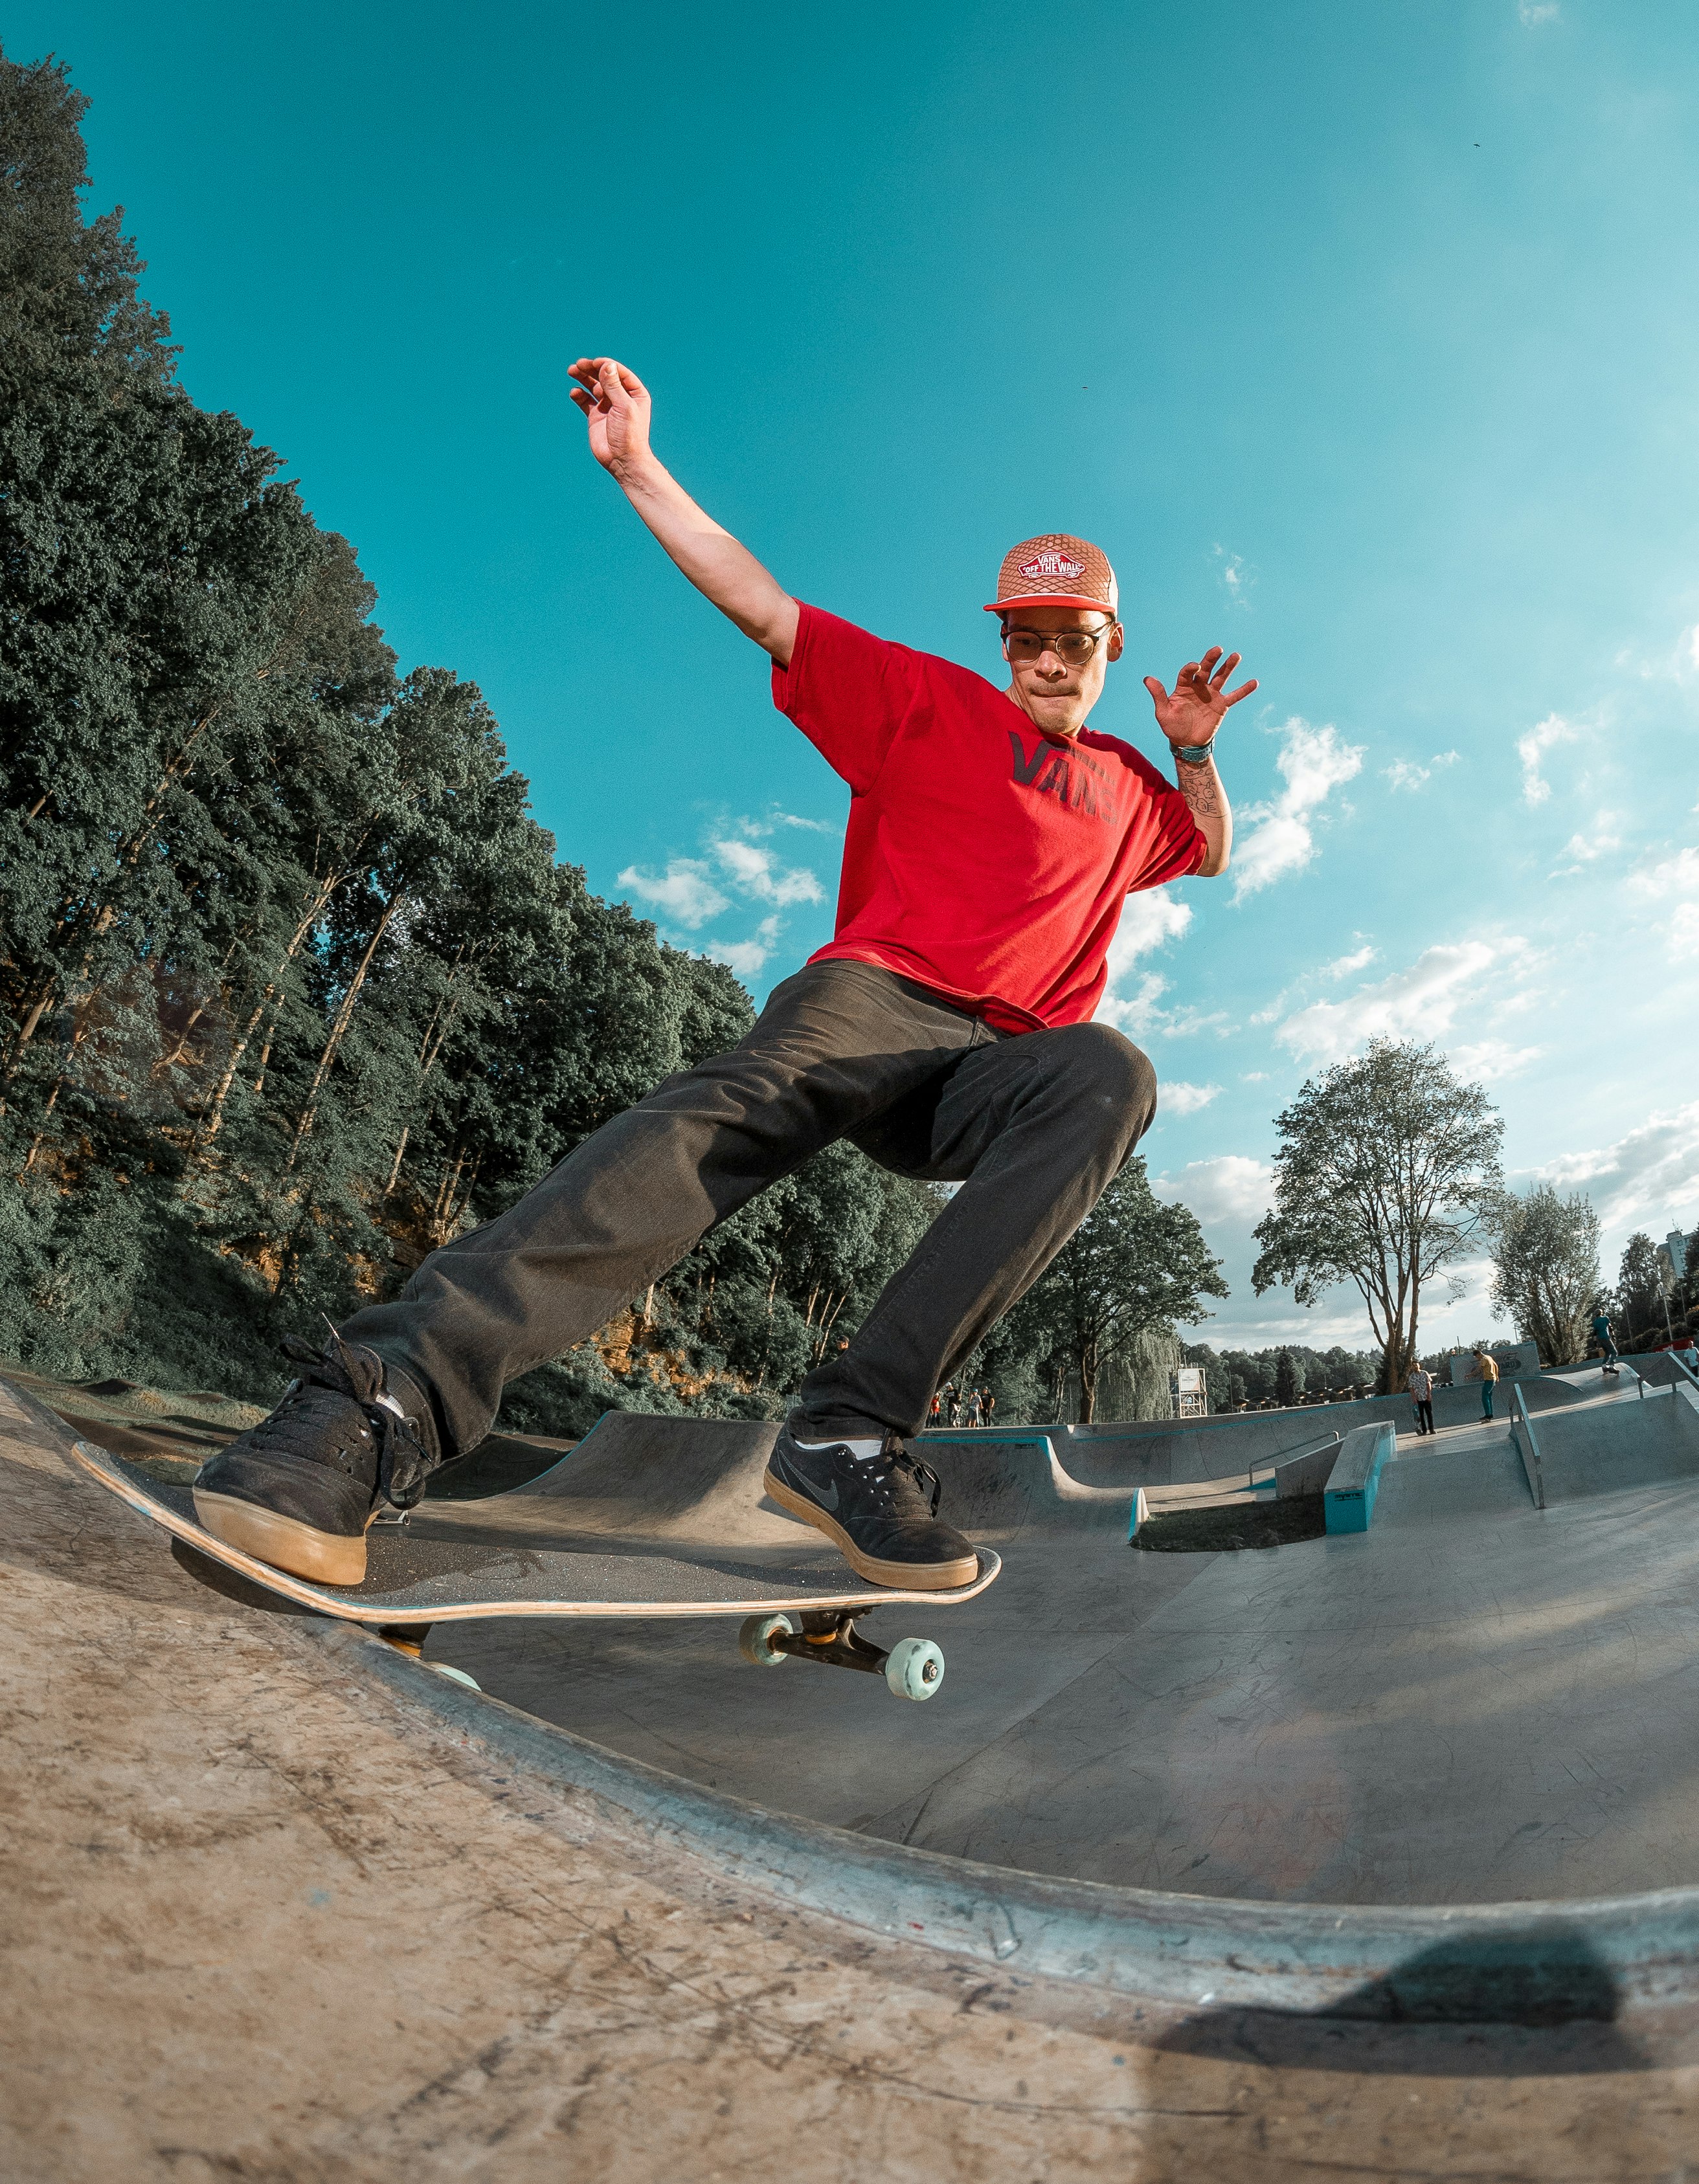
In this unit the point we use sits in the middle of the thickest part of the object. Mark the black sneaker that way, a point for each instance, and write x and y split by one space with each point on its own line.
299 1490
882 1513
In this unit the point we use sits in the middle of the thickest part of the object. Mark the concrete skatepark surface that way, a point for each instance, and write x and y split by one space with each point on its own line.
1475 1701
286 1905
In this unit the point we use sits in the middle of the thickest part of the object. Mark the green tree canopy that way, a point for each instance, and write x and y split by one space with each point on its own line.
1640 1286
1545 1261
1137 1262
1387 1172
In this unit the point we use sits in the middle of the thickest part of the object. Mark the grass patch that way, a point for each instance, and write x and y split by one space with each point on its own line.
1242 1525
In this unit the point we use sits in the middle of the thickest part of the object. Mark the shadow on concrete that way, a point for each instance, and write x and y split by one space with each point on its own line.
1452 2009
233 1585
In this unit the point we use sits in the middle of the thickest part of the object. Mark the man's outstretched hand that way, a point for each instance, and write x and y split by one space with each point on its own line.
617 404
1200 698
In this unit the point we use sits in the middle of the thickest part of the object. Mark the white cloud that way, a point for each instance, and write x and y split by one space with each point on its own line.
1417 1002
1314 762
1234 575
748 958
1342 965
1587 849
1643 1178
1141 1013
1491 1059
1406 773
1231 1188
1683 933
1179 1098
1254 1077
685 890
1676 875
693 890
812 825
756 871
1532 13
1148 921
1136 1013
1531 749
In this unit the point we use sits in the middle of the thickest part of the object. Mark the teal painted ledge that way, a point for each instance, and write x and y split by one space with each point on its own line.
1355 1478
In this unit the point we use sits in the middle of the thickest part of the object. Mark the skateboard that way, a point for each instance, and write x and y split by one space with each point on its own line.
649 1515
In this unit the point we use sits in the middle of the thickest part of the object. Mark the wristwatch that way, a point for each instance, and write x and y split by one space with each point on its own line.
1193 753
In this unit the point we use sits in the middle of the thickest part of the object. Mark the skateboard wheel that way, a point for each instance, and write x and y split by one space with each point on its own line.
914 1668
754 1637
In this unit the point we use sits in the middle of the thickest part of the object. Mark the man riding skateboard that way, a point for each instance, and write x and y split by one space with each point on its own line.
945 1029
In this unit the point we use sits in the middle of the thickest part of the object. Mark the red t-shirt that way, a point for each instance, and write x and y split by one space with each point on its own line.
982 859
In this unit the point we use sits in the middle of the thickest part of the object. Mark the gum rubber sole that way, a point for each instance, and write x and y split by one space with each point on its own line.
908 1577
285 1543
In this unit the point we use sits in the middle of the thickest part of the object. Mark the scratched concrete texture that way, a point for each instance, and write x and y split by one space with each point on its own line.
268 1918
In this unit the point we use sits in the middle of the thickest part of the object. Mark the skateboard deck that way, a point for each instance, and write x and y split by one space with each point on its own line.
650 1516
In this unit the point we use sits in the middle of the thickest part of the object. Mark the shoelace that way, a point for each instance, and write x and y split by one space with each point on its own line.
342 1369
897 1458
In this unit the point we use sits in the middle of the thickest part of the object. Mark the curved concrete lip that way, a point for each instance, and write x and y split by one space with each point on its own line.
1519 1961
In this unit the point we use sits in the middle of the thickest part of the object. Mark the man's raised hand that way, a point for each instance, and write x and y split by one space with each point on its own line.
617 404
1198 704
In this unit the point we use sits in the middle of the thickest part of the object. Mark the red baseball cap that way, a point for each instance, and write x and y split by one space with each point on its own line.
1055 570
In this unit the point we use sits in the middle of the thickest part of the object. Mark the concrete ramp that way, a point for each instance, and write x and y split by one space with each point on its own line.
1212 1452
1168 1453
640 1475
1005 1487
1484 1482
1610 1448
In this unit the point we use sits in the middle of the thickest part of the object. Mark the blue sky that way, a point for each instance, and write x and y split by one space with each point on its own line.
1361 338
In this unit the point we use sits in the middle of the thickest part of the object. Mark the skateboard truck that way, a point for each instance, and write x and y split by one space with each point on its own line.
409 1638
912 1669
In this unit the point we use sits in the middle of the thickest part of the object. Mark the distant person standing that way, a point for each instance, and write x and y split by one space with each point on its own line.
1686 1353
1420 1387
988 1406
935 1416
1490 1379
953 1406
1607 1342
976 1414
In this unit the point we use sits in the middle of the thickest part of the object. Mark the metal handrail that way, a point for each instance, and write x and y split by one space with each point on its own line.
1529 1450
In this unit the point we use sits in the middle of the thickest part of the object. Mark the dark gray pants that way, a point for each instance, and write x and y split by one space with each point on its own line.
1033 1127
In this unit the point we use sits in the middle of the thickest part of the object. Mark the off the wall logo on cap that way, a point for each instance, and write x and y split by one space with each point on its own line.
1052 565
1057 570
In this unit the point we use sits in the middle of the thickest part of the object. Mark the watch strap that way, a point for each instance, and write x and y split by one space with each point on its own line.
1193 753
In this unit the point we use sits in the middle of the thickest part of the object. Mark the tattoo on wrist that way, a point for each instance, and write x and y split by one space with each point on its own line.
1200 788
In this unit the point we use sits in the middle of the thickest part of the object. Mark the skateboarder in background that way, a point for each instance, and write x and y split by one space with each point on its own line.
946 1029
1607 1346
